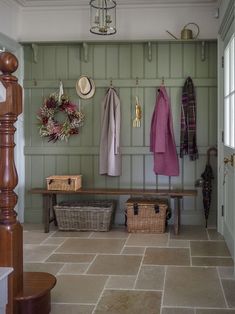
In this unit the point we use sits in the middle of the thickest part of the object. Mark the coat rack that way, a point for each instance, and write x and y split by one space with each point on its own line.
23 297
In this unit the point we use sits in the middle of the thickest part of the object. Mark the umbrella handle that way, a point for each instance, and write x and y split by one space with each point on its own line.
211 149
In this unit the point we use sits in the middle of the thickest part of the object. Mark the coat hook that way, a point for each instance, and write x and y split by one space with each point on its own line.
203 55
149 51
35 52
85 51
111 83
163 81
137 81
35 82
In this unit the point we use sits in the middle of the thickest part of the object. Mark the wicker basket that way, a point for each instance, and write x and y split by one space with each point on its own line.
146 215
85 215
64 183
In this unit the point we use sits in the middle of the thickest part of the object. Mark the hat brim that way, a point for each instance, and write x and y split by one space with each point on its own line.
90 93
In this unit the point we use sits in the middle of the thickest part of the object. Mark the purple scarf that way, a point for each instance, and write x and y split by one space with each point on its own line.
188 143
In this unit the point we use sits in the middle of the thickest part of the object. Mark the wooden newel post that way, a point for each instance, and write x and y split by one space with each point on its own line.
11 242
28 293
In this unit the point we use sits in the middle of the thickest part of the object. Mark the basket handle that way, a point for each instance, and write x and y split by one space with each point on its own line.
136 208
69 181
50 182
156 208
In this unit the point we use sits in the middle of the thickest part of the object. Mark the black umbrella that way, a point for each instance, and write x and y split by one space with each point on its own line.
207 177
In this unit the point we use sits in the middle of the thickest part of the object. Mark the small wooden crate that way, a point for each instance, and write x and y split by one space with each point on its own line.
146 215
85 215
64 183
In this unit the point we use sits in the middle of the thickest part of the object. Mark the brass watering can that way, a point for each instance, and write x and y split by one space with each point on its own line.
186 33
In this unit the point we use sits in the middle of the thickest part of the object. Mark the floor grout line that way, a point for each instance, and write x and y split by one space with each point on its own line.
90 236
168 239
59 272
137 275
222 288
163 288
101 294
190 254
91 262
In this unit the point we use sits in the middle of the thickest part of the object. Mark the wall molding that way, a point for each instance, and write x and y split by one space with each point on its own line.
84 3
199 82
91 150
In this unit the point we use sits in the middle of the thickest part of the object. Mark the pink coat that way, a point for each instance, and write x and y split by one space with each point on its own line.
162 141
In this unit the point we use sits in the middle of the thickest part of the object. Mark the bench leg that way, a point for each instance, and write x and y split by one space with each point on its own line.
177 214
49 200
54 202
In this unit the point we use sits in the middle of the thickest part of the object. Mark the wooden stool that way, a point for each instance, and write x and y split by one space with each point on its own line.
35 298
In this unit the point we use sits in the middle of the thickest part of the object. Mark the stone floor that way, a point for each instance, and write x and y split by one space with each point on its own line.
119 273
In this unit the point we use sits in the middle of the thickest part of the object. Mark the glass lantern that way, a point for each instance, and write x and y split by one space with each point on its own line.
103 17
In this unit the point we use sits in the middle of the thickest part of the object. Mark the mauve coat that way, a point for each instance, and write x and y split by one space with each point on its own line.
110 158
162 141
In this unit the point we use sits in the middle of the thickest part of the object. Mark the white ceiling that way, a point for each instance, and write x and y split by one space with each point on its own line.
43 3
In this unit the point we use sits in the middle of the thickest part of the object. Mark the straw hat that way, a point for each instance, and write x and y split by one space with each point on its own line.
85 87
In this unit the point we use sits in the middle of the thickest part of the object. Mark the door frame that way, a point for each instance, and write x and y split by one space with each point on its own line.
13 46
227 29
220 130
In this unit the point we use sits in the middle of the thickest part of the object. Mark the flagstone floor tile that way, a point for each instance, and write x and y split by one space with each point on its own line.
179 243
112 246
115 265
70 258
167 256
214 311
226 272
37 253
72 234
229 290
188 232
214 235
78 289
34 237
209 248
151 278
181 310
143 239
193 286
116 233
52 268
212 261
129 302
74 268
71 309
121 282
54 241
135 250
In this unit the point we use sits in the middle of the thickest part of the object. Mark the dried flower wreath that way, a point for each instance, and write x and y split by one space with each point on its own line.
50 127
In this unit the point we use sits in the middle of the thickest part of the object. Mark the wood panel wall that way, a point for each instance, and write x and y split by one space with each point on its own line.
122 63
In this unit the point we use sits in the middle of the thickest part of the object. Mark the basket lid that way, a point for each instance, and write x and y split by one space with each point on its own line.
147 201
64 177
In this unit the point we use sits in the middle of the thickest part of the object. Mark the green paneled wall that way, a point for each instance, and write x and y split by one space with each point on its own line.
122 63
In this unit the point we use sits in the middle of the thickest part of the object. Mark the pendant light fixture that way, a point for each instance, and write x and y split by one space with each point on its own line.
103 17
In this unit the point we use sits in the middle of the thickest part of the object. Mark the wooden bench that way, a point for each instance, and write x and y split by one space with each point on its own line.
50 199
